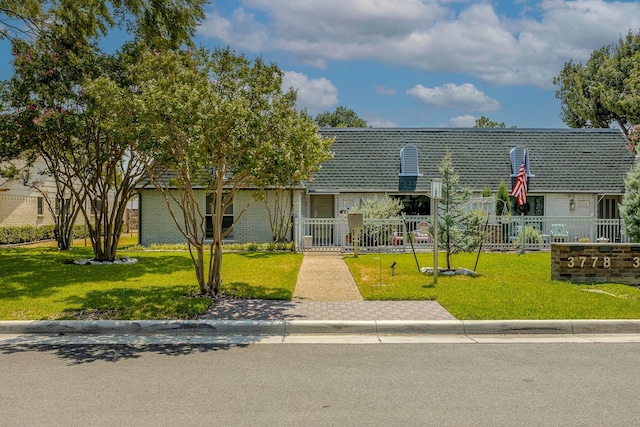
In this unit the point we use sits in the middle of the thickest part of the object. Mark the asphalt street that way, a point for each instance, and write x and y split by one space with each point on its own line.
504 384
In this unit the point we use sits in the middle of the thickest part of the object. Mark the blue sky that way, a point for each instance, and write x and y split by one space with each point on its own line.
423 63
420 63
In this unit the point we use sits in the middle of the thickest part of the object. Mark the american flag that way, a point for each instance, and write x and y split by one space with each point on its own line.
519 189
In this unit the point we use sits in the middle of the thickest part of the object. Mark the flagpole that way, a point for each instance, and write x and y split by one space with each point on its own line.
523 235
519 191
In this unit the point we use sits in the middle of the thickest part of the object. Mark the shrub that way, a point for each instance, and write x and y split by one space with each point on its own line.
503 203
80 231
531 236
236 247
26 234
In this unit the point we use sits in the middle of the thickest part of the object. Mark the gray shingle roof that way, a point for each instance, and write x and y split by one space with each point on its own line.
562 160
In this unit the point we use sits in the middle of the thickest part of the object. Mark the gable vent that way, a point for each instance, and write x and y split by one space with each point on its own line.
519 156
409 161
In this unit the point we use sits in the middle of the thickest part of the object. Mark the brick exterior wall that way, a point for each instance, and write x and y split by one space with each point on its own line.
157 226
596 263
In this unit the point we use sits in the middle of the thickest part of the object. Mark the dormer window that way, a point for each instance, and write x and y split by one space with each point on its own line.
520 156
409 161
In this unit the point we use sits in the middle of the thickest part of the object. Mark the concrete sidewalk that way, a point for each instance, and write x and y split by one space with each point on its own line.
324 276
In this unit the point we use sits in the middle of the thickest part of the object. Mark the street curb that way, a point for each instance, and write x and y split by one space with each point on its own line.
317 327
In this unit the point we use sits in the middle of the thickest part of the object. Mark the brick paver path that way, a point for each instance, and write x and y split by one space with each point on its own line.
325 290
243 309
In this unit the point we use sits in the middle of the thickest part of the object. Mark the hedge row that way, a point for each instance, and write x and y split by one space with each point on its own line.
29 233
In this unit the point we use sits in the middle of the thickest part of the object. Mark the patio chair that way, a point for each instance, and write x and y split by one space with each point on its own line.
421 233
398 238
559 233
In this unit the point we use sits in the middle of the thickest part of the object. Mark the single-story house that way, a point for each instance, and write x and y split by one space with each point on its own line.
571 172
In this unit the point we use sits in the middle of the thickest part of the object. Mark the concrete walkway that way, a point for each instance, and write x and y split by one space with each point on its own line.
324 276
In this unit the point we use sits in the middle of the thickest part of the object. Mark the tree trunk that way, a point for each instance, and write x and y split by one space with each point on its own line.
215 277
198 263
64 221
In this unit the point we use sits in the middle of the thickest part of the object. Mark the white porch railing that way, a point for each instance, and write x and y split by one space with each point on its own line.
501 233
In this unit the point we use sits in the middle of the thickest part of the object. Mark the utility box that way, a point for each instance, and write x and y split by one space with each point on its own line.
355 221
308 241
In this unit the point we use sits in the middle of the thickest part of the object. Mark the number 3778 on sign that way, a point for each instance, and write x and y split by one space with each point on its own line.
596 262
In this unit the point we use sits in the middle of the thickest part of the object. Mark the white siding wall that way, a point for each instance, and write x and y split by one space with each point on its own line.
18 210
19 204
558 205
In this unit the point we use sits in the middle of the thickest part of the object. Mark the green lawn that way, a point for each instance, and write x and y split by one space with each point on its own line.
35 283
509 287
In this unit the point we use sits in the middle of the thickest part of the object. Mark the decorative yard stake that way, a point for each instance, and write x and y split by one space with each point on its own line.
410 237
436 195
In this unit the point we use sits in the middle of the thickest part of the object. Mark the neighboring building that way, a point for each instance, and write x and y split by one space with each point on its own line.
572 172
24 205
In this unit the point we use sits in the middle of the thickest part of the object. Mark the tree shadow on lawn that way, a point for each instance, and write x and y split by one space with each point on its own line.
245 290
258 255
148 303
77 354
40 274
161 302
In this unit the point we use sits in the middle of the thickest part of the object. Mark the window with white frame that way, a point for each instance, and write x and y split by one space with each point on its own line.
227 218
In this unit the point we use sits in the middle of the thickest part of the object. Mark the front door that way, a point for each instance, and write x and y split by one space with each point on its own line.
322 206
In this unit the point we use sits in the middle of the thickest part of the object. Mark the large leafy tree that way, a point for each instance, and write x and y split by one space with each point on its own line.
342 117
604 91
459 230
48 112
216 122
41 107
62 123
298 152
158 22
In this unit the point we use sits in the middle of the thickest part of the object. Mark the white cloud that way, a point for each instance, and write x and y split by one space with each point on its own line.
464 97
316 95
386 91
375 120
525 47
217 27
466 121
